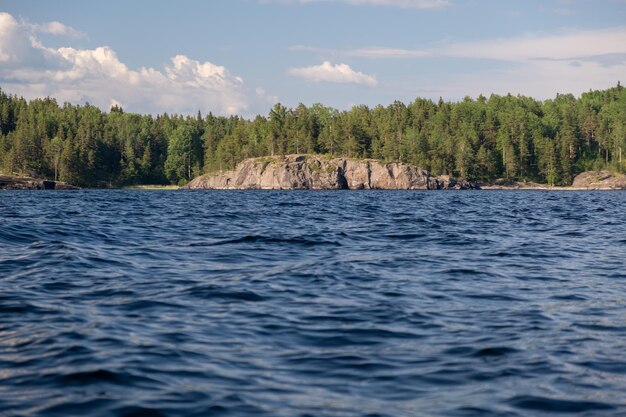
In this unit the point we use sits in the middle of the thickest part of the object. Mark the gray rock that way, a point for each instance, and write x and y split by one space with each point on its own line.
315 172
600 180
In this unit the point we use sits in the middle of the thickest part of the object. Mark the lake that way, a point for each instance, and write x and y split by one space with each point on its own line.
312 303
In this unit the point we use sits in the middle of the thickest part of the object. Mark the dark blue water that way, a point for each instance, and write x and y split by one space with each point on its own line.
145 303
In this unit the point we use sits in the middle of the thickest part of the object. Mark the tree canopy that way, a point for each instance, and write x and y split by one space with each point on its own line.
514 137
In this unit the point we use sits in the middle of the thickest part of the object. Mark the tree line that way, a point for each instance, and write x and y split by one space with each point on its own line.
514 137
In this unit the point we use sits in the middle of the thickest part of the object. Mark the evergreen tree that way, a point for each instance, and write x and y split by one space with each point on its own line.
486 138
180 156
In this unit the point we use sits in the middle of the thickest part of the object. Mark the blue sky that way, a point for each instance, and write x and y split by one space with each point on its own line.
241 56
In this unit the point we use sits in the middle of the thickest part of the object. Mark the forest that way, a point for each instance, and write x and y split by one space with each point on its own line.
513 137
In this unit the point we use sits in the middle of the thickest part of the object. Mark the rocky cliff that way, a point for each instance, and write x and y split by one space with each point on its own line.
315 172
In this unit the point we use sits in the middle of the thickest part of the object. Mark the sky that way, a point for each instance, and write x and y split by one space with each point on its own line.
243 56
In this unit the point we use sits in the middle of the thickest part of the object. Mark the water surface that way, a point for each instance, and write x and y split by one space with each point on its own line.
151 303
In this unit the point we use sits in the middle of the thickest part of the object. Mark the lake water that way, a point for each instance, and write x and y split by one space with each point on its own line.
150 303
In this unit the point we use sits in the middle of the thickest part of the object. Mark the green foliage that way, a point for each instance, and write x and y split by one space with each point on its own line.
181 155
501 136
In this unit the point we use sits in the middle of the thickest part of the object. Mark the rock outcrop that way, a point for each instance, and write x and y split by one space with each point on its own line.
315 172
600 180
26 183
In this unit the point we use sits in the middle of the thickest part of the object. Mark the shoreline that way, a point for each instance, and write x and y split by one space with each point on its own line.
318 172
14 182
149 187
498 188
542 187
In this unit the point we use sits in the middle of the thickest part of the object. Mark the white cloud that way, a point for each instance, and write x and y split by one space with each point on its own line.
185 85
566 45
405 4
581 44
542 65
539 65
327 72
538 79
57 28
19 47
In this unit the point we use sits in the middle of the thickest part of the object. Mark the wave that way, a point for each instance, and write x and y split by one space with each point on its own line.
123 303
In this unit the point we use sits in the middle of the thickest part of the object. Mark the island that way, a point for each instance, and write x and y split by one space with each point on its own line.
495 142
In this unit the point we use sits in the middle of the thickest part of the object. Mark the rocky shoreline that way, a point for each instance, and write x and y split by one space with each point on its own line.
318 172
586 181
10 182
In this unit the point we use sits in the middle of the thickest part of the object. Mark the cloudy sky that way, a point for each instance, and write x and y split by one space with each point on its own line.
241 56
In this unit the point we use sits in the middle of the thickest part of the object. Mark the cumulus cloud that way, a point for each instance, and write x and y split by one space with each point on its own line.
327 72
97 75
405 4
19 47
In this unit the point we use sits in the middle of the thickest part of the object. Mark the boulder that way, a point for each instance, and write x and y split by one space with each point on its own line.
600 180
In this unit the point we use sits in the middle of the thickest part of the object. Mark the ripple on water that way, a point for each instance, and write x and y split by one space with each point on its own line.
342 304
